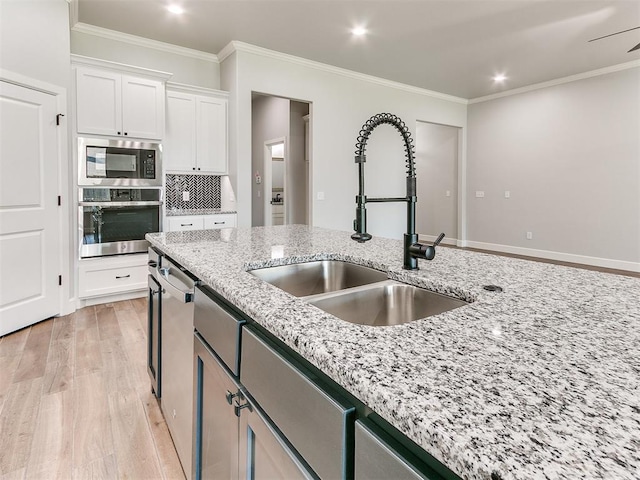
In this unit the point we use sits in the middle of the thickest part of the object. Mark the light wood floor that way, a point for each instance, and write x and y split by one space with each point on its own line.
75 400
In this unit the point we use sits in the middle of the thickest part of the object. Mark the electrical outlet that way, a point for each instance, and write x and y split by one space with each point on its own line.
507 194
529 235
185 196
320 196
448 193
479 194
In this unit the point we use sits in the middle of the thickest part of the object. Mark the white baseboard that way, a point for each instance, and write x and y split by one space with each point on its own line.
445 241
559 256
87 302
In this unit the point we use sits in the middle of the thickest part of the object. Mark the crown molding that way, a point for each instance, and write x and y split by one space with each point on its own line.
120 67
194 89
143 42
235 46
559 81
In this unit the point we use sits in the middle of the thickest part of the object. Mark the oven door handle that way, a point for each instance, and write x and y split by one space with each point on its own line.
120 204
185 296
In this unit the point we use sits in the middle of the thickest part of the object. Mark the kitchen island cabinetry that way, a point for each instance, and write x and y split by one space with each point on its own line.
482 388
116 104
196 131
260 410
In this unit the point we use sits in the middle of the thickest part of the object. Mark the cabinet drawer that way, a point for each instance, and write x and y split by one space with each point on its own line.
318 425
186 222
219 327
225 220
97 279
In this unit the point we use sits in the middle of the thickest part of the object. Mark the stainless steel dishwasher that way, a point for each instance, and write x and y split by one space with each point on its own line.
154 324
177 356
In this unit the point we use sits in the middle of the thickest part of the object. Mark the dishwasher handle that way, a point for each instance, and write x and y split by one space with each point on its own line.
185 296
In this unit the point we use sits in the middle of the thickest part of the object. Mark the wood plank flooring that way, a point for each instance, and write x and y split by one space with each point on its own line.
76 403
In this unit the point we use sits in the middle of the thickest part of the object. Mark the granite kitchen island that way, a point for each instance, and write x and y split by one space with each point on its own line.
539 380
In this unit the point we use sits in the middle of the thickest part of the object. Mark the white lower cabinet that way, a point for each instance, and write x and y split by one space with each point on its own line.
199 222
184 223
112 275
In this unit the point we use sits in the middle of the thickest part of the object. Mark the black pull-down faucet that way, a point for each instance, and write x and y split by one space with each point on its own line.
412 249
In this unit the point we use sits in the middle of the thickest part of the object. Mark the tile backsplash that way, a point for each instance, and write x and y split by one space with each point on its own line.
204 192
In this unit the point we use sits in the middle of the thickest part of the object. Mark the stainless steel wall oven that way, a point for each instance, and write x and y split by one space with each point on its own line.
114 221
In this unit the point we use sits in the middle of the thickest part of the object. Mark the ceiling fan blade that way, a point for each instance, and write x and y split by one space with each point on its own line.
637 47
612 34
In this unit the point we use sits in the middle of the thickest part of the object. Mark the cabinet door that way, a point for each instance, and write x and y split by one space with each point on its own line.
215 453
180 144
211 137
264 454
375 458
142 108
98 102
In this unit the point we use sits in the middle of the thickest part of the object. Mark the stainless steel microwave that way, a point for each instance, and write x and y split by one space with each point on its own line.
119 163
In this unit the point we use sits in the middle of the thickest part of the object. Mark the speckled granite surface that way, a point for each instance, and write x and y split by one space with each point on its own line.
174 212
539 381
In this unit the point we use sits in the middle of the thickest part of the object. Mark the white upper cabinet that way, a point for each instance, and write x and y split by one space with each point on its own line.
119 105
196 136
180 144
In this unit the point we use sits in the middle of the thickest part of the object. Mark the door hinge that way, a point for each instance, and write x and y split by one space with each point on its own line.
59 200
58 118
59 280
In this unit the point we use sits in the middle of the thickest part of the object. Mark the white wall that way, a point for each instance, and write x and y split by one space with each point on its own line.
436 174
570 156
296 164
185 69
270 120
340 105
34 39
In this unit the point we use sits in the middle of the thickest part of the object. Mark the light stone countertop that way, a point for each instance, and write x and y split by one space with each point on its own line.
539 381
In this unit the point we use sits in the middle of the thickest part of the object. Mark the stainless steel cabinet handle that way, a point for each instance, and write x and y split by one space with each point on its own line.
219 223
230 396
238 407
167 286
122 276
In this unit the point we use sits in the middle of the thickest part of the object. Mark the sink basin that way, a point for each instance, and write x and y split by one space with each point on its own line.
386 303
312 278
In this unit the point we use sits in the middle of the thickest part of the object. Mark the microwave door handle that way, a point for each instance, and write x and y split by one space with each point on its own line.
163 278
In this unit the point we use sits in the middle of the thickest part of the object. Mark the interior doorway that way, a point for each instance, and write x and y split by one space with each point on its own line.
275 207
437 167
280 161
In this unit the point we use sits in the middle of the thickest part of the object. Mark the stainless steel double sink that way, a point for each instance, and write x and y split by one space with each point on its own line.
356 293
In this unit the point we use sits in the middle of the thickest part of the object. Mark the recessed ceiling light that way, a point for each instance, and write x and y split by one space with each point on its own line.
499 78
359 31
176 9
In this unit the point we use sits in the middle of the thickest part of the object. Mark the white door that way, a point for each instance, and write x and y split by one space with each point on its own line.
29 223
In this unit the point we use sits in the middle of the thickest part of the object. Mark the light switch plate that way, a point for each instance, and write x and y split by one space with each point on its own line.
185 196
479 194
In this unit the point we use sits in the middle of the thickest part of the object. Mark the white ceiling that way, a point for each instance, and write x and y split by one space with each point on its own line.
449 46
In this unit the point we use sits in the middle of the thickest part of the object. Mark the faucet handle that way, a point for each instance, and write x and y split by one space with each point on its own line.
428 252
438 240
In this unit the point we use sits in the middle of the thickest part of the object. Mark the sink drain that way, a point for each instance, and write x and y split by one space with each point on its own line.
493 288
